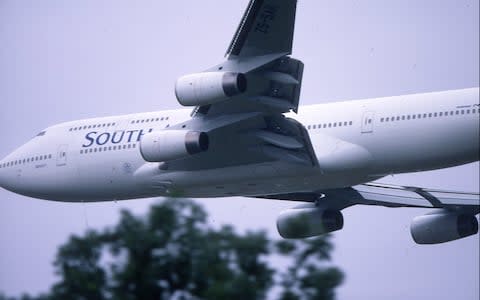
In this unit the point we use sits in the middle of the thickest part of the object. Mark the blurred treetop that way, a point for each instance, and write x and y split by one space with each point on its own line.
173 254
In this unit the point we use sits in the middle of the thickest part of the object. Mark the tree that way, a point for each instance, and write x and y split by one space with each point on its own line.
173 254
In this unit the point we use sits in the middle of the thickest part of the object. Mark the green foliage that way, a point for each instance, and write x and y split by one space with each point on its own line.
173 254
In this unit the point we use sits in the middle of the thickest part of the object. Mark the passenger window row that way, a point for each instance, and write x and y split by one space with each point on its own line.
149 120
108 148
430 115
25 161
330 125
92 126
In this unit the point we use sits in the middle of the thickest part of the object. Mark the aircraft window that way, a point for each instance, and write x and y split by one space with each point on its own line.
451 113
134 145
142 121
41 133
440 114
314 126
408 117
49 156
339 124
95 150
105 148
129 146
70 129
463 112
113 124
382 119
414 116
124 146
81 151
110 148
166 118
157 119
468 111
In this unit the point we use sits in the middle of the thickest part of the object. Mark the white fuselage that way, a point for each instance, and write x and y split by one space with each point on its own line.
354 142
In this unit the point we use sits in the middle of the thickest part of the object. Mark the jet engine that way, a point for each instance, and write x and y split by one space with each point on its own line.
299 223
209 87
442 227
172 144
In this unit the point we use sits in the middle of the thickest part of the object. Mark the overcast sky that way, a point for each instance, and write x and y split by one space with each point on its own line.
66 60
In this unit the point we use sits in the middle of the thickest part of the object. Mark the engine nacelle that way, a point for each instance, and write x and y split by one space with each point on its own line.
209 87
172 144
299 223
442 227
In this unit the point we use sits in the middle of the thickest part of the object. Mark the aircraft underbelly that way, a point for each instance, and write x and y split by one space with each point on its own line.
249 180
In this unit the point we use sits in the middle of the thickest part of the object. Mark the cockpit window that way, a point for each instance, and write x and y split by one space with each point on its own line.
41 133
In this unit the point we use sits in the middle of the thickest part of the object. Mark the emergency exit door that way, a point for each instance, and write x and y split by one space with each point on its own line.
367 122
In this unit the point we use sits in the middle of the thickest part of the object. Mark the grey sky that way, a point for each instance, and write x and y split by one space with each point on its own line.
65 60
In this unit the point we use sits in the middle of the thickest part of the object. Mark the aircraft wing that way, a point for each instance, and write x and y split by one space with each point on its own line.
266 27
389 196
242 100
408 196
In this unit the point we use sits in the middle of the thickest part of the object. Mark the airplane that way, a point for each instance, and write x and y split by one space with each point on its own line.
245 134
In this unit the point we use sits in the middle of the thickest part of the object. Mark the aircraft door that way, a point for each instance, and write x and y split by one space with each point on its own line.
367 122
62 155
